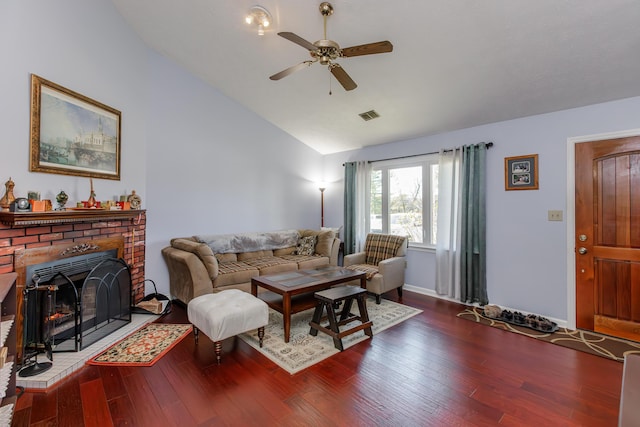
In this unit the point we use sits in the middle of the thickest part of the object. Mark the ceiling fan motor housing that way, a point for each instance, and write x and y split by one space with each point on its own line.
327 51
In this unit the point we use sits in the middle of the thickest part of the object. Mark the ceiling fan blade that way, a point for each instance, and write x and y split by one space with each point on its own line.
368 49
290 70
341 75
298 40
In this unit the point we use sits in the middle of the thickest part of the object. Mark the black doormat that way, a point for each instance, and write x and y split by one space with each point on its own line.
587 341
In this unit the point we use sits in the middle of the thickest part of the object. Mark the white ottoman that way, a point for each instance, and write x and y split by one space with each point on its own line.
226 314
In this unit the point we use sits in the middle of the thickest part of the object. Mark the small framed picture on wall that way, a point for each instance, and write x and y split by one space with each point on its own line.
521 172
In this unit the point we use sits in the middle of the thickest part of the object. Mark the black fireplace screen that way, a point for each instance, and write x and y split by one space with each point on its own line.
72 310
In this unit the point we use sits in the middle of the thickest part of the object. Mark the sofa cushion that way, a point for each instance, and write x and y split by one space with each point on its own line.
246 256
272 265
286 251
308 262
202 251
232 273
226 257
306 245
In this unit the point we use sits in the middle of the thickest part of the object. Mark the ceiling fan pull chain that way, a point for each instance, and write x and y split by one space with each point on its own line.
330 85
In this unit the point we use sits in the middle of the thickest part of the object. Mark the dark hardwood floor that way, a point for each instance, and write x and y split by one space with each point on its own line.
431 370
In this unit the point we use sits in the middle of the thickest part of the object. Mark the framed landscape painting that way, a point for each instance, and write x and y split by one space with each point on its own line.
72 134
521 172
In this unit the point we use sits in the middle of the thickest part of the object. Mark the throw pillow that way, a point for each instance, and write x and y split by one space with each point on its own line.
306 245
379 247
336 230
325 242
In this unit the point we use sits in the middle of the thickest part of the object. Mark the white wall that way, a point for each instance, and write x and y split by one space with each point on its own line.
214 167
526 254
200 162
85 47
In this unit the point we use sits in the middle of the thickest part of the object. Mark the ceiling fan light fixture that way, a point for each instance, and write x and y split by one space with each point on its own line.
259 16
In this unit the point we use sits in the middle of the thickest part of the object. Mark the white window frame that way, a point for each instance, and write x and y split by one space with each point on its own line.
426 162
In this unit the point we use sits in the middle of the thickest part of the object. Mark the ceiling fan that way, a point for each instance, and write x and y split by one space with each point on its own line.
327 51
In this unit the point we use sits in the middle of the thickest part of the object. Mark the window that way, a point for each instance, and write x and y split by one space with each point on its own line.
404 198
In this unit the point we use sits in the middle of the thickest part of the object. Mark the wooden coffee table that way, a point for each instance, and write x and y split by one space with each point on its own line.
292 292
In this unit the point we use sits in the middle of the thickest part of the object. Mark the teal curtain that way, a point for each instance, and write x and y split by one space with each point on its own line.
350 198
473 262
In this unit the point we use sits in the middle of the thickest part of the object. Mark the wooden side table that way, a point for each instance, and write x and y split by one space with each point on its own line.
329 300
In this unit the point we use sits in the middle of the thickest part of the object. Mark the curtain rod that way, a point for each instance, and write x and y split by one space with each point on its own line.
489 145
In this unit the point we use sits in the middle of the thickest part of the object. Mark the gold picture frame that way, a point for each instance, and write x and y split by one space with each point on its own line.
72 134
521 172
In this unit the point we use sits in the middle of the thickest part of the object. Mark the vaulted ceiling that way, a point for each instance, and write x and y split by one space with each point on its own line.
454 64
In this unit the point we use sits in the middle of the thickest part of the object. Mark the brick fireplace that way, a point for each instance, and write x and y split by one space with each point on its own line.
22 231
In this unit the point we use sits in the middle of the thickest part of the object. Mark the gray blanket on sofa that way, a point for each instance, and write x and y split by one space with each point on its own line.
249 242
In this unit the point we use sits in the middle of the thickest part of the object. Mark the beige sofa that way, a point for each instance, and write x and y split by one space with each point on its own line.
205 264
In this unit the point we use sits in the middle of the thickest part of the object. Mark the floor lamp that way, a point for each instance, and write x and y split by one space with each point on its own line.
322 206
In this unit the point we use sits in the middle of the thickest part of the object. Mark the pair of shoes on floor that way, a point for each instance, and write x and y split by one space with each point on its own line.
540 323
532 321
513 317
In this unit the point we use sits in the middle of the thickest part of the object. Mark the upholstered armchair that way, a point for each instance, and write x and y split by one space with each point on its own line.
383 260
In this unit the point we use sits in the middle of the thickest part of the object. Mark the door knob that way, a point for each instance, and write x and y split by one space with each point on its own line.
582 250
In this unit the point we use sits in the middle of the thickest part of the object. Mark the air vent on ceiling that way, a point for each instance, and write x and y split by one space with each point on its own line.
369 115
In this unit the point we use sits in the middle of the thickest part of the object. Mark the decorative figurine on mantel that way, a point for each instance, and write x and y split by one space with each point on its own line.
91 201
61 198
134 200
8 197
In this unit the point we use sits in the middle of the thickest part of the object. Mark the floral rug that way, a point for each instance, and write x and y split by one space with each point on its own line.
587 341
143 347
304 350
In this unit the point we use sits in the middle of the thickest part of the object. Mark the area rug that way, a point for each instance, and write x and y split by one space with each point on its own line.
304 350
586 341
143 347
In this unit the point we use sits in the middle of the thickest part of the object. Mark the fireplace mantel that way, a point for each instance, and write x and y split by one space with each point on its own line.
25 230
60 217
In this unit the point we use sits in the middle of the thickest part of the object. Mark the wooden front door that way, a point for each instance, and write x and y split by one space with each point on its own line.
607 238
